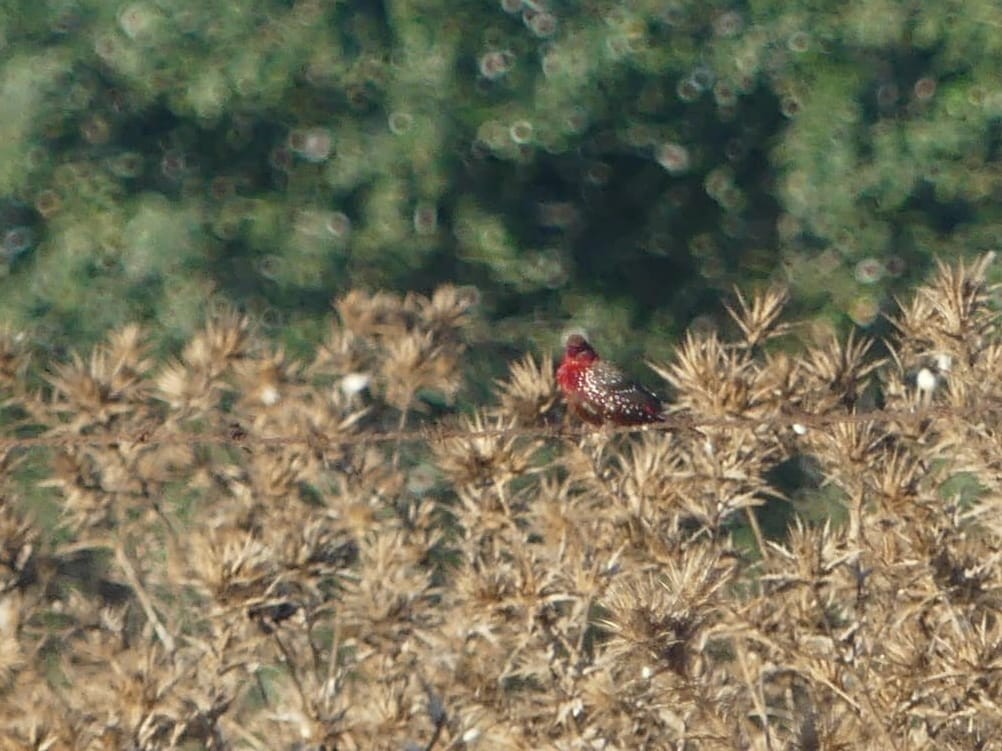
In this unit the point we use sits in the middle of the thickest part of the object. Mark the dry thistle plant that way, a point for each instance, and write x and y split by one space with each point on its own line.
529 394
286 577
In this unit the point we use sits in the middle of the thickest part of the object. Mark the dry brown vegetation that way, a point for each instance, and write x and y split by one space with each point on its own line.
501 590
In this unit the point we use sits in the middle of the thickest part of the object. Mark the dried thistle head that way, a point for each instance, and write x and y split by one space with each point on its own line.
128 353
759 320
487 455
391 590
319 547
947 348
267 380
648 475
529 395
952 309
414 362
110 384
342 353
837 374
85 503
278 472
726 474
195 383
224 339
659 618
187 389
710 378
448 310
811 557
232 567
379 315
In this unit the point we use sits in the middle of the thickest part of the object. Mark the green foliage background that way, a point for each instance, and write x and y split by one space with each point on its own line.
160 158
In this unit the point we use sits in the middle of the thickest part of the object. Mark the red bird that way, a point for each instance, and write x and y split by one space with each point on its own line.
599 392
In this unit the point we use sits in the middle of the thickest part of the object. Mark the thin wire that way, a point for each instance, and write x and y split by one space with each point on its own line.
795 420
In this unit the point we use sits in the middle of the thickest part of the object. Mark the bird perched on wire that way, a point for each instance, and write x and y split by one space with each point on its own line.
599 392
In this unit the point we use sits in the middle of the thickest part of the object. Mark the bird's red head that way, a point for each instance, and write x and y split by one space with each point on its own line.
576 347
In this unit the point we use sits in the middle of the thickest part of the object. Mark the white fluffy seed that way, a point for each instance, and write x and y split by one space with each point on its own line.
925 380
353 383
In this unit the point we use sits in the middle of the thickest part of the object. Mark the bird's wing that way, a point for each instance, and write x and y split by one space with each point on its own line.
616 396
604 376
